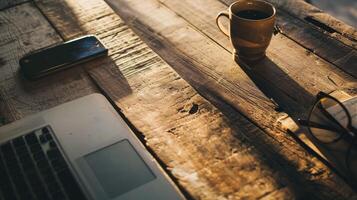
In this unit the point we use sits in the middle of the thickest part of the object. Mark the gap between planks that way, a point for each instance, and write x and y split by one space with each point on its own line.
124 101
126 11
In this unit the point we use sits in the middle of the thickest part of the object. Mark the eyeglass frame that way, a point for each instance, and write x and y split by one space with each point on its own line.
349 130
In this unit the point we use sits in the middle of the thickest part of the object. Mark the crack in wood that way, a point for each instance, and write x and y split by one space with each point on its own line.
320 25
2 62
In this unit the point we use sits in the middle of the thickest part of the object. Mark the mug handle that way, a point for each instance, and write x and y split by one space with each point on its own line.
277 30
219 24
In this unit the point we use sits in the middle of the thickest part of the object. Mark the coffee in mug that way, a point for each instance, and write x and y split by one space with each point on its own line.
251 25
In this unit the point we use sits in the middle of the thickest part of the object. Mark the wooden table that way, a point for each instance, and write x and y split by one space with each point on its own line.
218 128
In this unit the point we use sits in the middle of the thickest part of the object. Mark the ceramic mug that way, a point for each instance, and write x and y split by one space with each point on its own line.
251 25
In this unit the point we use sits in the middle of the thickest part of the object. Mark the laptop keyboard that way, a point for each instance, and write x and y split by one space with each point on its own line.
32 167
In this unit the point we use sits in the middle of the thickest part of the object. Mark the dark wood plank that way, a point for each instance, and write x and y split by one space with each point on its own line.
212 155
9 3
24 29
194 56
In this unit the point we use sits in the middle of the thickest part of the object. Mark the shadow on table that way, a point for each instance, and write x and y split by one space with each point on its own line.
290 98
287 94
285 173
235 119
81 77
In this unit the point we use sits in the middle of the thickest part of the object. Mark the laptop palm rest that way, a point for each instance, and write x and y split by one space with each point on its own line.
115 169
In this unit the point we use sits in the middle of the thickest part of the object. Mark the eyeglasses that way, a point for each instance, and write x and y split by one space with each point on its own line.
329 122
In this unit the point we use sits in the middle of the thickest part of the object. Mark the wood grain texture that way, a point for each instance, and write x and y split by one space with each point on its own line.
316 40
284 57
22 30
285 53
174 119
193 55
213 155
319 43
9 3
299 8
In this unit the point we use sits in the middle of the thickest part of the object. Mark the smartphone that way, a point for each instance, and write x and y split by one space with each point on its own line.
46 61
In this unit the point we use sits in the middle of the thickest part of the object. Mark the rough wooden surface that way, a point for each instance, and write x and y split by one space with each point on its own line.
212 154
319 43
24 29
176 40
299 8
182 128
283 69
313 38
188 134
8 3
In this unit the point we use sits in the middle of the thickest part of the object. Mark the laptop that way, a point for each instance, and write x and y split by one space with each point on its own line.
79 150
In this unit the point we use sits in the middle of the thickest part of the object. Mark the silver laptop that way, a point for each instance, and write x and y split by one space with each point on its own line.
79 150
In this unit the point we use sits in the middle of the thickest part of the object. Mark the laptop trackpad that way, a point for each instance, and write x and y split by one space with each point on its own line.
118 168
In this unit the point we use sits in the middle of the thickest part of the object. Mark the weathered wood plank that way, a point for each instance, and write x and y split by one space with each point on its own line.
193 55
8 3
24 29
282 52
307 12
148 89
281 49
211 154
317 41
323 45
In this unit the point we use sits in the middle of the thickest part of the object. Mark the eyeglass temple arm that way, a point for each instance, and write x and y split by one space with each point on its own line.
317 125
329 116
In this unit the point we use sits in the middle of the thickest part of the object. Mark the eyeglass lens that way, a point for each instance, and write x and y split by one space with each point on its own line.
333 120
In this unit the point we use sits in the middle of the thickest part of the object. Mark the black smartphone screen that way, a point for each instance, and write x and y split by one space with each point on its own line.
55 58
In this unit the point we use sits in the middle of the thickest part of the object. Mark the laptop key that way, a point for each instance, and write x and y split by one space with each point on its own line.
53 144
22 188
12 165
5 183
18 142
22 151
58 195
31 139
48 176
7 150
39 156
70 185
43 164
33 177
27 163
19 181
35 148
54 154
40 193
59 164
26 195
53 186
10 161
45 130
2 163
14 169
48 136
43 139
35 180
8 192
4 180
